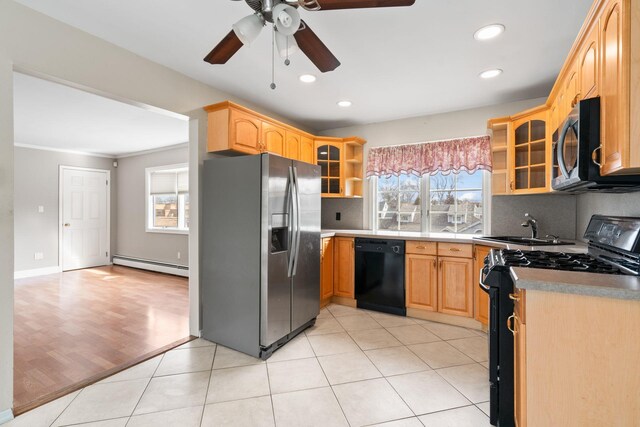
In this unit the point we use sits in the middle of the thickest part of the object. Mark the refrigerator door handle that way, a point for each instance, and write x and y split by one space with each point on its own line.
292 223
297 215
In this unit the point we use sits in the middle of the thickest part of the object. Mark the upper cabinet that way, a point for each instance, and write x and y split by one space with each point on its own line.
604 62
340 162
529 153
234 129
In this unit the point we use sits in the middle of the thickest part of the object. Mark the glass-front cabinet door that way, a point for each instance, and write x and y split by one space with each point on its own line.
329 158
530 168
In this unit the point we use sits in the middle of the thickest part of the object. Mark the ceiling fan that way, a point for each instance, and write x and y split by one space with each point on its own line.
290 32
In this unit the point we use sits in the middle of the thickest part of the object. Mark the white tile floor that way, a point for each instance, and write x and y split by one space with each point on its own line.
353 368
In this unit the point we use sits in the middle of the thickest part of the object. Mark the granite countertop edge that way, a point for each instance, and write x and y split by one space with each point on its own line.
568 282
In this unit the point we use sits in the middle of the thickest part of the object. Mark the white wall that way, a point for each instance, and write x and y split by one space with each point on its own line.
34 43
132 238
428 128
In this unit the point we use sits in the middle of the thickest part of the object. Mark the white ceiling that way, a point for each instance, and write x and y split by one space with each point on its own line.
55 116
396 62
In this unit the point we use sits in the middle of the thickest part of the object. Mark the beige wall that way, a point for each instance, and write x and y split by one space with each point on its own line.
132 238
37 184
6 229
455 124
34 43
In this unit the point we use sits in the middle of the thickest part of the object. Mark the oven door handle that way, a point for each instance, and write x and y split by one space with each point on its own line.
482 278
560 147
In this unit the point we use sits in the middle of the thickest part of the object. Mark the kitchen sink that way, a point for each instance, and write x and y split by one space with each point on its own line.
526 241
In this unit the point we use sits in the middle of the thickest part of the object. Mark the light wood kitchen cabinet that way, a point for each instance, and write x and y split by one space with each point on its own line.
326 271
292 145
306 150
499 130
572 89
344 267
481 300
273 138
455 289
614 102
529 151
421 275
588 64
234 129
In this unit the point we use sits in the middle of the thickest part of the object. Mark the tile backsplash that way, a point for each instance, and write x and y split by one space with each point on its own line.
350 212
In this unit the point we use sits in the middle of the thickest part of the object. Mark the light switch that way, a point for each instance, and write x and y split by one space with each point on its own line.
40 209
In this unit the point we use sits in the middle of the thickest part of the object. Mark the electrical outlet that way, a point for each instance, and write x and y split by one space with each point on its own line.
40 209
38 256
338 216
179 255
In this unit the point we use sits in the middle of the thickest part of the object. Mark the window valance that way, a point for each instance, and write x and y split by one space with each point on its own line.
454 155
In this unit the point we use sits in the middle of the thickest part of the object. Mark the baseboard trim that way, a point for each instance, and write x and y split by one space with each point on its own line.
36 272
6 416
160 267
465 322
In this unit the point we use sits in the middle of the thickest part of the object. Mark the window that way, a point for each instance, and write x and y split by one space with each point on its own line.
453 203
168 199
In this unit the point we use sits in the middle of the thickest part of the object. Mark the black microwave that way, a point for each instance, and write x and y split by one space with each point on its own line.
576 154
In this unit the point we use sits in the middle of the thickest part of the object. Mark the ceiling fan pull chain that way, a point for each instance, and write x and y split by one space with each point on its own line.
287 62
273 59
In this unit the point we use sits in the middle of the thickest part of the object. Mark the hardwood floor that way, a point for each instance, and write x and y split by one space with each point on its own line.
80 326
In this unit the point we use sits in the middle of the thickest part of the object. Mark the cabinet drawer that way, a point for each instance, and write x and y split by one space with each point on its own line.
424 248
458 250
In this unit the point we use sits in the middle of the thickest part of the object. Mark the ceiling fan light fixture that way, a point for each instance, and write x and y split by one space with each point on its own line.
489 32
308 78
490 74
248 28
286 45
345 104
286 19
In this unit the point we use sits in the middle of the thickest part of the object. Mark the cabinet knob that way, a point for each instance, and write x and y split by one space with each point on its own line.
594 155
454 249
514 297
421 247
512 321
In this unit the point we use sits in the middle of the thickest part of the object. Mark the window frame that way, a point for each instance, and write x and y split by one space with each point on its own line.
150 208
425 197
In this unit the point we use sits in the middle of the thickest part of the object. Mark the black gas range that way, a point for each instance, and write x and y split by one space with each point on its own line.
613 248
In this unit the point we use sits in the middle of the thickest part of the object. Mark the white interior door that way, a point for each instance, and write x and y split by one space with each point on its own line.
84 219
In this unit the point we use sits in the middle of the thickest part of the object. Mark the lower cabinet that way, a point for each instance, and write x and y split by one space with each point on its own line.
520 377
441 284
455 290
344 267
326 271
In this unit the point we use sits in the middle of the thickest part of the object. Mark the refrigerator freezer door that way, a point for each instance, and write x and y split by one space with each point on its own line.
305 289
275 286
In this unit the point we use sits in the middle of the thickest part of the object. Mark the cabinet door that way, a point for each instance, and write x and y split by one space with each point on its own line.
613 104
588 64
329 158
344 267
529 151
273 137
455 290
481 300
326 271
244 132
520 373
572 95
292 146
306 150
422 281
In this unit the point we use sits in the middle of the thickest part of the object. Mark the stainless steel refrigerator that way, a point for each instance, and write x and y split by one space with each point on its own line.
260 260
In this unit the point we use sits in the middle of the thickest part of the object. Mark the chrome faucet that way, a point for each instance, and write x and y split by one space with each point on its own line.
533 223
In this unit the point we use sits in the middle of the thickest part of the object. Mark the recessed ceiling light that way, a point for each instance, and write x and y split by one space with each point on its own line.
489 74
308 78
345 104
489 32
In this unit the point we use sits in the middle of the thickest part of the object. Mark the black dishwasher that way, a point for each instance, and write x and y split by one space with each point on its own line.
380 275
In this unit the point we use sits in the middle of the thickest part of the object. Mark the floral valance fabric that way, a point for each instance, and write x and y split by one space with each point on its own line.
455 155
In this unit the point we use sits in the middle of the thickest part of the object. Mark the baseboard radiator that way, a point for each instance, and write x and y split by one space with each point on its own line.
145 264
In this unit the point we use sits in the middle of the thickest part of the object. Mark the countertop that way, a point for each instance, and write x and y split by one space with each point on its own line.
577 247
573 282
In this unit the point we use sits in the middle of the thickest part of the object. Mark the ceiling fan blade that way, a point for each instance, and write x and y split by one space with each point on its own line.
358 4
225 49
315 50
